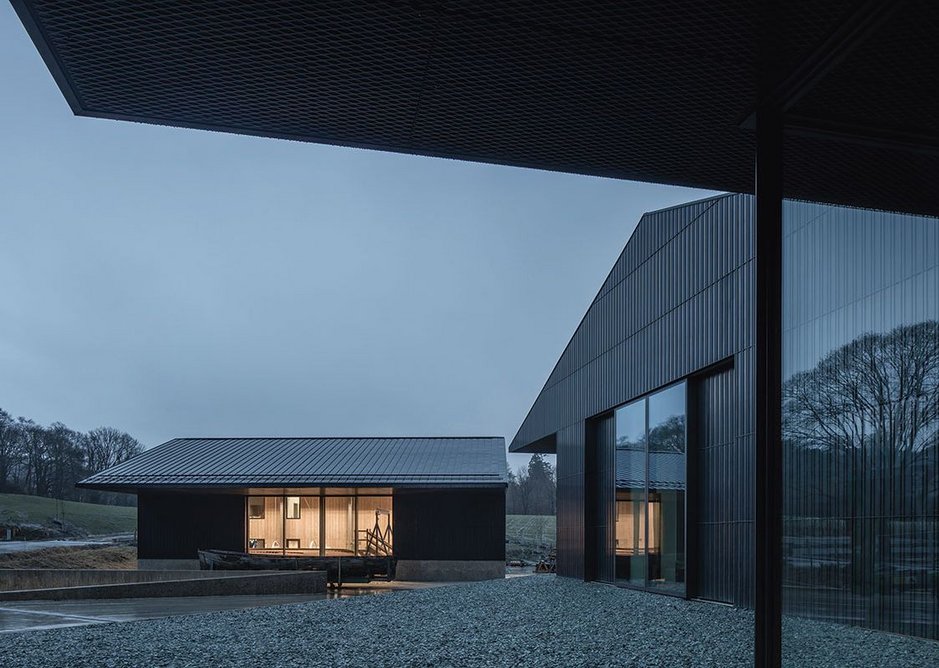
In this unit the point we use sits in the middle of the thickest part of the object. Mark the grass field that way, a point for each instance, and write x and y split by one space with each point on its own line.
90 556
529 537
90 518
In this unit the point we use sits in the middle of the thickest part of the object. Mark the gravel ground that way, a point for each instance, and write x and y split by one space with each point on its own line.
532 621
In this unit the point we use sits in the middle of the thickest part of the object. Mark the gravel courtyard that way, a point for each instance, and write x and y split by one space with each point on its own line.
528 621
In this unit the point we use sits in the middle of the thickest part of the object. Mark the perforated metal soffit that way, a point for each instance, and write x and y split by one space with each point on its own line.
645 90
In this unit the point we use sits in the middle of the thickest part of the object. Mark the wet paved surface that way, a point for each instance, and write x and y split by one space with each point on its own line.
38 615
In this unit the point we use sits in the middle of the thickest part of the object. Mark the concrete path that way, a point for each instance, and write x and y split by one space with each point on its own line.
39 615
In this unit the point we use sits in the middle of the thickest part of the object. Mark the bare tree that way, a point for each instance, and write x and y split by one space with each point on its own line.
66 459
9 451
35 457
532 490
861 431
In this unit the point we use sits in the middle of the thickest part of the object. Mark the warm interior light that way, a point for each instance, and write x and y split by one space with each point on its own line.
339 522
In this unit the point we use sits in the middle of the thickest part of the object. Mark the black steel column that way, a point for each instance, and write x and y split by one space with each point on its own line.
768 348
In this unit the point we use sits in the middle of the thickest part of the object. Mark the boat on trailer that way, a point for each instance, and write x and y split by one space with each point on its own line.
338 569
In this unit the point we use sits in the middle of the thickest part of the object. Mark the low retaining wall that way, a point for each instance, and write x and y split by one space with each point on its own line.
212 584
168 564
52 578
427 570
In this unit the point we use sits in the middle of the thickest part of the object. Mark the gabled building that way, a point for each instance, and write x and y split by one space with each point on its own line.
435 504
651 407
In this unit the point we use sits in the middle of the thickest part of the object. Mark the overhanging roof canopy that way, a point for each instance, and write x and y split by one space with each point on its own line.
646 90
240 463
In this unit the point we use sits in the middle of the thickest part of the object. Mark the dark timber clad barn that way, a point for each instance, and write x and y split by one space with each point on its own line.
650 410
674 307
436 504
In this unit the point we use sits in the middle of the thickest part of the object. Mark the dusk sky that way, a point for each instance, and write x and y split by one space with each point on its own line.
177 282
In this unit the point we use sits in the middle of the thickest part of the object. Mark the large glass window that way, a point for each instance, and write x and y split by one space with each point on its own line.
266 524
337 522
666 488
860 421
340 525
649 542
373 522
302 525
630 542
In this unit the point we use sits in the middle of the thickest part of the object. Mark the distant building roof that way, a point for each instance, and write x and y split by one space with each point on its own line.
666 469
305 462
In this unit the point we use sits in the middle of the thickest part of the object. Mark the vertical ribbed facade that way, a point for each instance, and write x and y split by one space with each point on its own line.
860 405
678 301
721 465
570 500
600 495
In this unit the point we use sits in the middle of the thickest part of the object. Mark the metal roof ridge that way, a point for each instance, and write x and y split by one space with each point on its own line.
331 438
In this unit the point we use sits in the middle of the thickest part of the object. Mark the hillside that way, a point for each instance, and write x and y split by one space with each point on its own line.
79 518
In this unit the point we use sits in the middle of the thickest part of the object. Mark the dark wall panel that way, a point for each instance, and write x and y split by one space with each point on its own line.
600 496
458 524
679 300
175 526
570 497
721 487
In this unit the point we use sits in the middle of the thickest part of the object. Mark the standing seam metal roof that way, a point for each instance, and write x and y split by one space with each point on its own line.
296 462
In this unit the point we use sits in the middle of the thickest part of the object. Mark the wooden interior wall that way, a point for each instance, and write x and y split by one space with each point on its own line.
306 528
270 528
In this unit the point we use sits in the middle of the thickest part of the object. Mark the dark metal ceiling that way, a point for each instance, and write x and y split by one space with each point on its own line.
645 90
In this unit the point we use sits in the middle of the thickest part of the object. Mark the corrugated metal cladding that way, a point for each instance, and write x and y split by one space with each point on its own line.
677 300
677 304
286 462
176 526
601 499
570 501
721 489
465 524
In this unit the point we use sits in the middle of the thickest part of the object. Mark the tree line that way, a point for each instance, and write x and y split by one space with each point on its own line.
532 489
48 461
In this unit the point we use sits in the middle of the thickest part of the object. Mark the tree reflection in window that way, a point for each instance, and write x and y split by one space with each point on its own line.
861 457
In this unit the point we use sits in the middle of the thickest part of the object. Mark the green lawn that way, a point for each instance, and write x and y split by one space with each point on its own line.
529 537
90 517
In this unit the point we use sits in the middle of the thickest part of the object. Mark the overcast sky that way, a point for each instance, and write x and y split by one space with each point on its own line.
187 283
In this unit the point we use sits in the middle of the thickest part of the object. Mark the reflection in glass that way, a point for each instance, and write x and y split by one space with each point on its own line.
861 419
650 491
630 539
667 488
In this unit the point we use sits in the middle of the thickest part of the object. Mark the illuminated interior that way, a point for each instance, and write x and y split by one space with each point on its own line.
649 541
331 522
